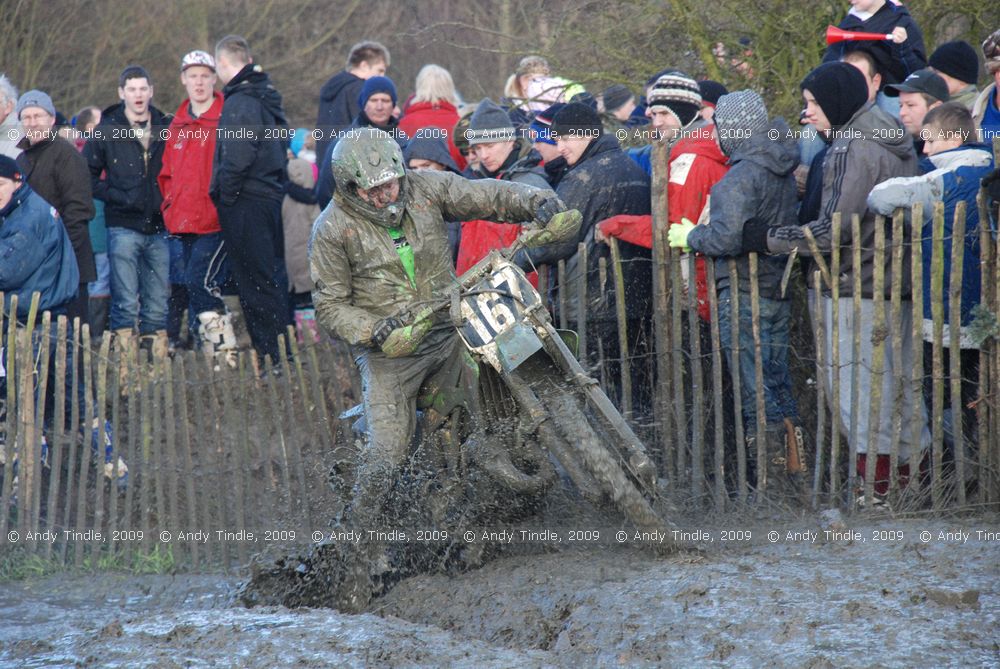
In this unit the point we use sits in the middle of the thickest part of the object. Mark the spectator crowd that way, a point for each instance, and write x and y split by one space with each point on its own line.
140 221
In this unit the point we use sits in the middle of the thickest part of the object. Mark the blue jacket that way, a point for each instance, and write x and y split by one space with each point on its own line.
952 176
35 255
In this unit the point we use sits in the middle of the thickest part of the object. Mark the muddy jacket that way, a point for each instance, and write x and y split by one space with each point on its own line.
358 273
128 188
759 186
867 150
252 167
58 173
604 182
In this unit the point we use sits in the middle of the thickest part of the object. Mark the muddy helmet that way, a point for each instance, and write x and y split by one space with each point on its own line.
366 157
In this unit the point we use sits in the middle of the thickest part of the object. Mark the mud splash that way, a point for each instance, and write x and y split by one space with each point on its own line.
845 602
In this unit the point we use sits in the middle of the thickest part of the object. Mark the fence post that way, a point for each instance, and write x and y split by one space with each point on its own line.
820 330
697 386
719 469
855 357
937 355
917 373
984 407
758 377
625 368
955 352
895 327
55 444
836 421
878 337
736 374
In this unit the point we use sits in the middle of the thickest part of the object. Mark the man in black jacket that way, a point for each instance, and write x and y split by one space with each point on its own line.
55 170
602 182
128 152
248 186
338 99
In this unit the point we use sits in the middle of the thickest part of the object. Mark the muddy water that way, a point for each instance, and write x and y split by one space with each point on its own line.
846 602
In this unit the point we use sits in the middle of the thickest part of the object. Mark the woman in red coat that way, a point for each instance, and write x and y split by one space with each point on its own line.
434 109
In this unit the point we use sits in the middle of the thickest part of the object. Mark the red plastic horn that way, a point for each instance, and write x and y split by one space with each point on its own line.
835 34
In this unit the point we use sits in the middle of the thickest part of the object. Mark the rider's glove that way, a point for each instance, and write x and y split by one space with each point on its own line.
403 340
547 209
562 227
677 235
382 329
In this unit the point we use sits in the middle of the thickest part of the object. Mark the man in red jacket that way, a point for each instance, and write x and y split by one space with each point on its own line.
696 164
188 211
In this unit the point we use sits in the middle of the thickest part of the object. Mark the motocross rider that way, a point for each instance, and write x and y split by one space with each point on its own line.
379 256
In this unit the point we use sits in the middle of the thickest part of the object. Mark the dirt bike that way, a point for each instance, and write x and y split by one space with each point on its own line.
550 418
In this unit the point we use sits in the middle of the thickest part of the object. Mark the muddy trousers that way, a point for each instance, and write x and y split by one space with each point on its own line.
391 389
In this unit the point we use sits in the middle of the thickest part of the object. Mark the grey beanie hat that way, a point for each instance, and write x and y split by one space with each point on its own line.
738 117
489 123
35 98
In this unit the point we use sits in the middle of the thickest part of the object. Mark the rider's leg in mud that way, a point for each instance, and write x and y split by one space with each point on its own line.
391 387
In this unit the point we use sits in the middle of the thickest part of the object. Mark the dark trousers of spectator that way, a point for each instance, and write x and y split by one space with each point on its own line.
255 244
80 307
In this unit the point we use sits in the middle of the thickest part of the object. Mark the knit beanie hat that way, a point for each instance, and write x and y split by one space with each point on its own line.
577 120
738 117
711 91
489 124
840 90
678 94
9 169
991 52
615 97
956 59
542 125
375 85
35 98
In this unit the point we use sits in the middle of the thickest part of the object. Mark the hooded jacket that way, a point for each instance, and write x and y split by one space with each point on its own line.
869 149
985 99
187 171
35 255
602 183
441 115
249 166
952 176
338 106
894 61
357 271
128 188
58 173
760 186
696 165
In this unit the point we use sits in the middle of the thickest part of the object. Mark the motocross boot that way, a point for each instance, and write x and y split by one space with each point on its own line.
218 338
785 464
363 559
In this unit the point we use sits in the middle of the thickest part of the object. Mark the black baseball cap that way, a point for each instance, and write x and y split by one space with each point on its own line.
922 81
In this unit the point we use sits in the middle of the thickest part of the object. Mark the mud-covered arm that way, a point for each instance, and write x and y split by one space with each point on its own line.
488 199
330 270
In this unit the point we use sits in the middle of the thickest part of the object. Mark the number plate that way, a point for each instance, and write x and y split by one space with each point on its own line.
487 314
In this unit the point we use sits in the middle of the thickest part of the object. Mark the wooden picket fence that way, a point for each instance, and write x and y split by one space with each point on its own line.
223 462
220 462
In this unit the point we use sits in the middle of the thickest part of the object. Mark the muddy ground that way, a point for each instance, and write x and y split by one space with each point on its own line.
844 601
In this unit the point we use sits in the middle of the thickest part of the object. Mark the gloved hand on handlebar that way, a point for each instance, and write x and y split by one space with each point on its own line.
396 339
547 209
561 227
